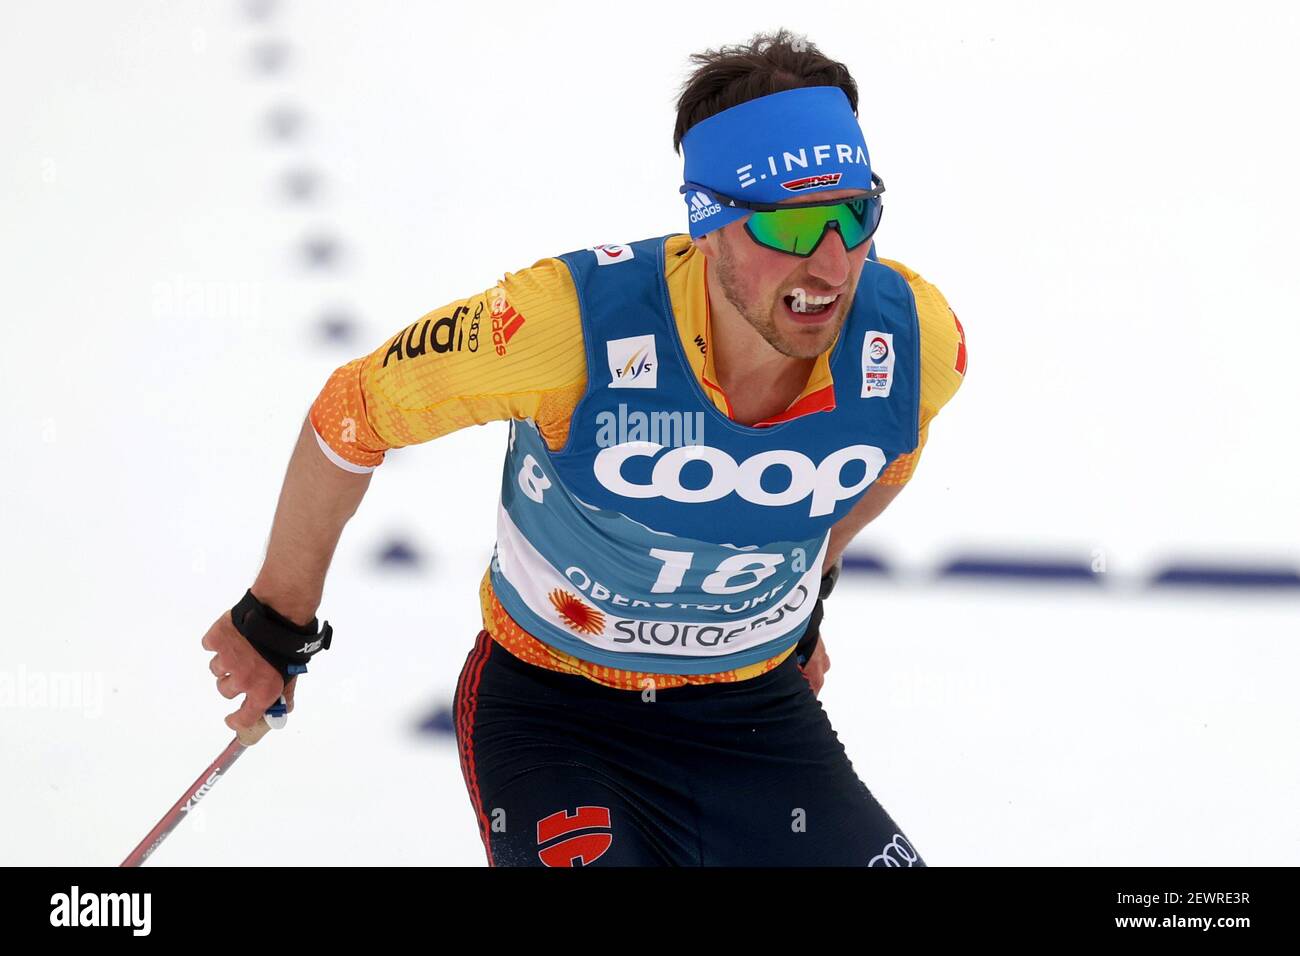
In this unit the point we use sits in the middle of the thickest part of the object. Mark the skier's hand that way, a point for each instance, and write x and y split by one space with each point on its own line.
817 665
240 669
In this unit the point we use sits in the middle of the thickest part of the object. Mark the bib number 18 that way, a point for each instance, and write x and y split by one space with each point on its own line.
752 568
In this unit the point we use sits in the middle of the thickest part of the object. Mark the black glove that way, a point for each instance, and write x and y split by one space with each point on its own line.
284 645
808 643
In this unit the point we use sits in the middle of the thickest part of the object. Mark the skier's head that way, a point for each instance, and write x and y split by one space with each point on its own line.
773 123
768 63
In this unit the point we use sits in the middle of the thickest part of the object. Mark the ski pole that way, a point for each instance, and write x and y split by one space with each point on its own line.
275 716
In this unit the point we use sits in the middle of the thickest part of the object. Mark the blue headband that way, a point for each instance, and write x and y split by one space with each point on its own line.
772 148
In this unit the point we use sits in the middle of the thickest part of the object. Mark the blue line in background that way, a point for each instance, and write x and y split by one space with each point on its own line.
1209 576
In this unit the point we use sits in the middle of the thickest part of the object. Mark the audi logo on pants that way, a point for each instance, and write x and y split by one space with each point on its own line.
897 852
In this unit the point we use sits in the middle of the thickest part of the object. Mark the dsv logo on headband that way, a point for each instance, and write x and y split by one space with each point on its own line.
702 207
726 475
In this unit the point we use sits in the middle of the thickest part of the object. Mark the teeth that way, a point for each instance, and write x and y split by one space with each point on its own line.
812 302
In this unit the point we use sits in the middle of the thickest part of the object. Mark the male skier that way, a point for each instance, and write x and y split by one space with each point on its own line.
699 425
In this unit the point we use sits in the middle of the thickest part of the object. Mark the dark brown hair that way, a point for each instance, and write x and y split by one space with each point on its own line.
768 63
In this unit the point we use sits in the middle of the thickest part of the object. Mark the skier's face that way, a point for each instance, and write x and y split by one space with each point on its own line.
798 305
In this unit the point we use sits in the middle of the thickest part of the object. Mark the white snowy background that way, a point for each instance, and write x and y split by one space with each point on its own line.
1106 193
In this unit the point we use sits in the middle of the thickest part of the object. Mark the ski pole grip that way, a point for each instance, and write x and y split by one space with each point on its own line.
255 733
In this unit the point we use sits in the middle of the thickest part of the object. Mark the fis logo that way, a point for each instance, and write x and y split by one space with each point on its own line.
702 207
632 362
612 252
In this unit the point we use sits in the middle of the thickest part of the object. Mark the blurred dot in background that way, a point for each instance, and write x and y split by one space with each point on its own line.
285 123
399 553
260 10
321 252
270 57
337 326
300 185
438 722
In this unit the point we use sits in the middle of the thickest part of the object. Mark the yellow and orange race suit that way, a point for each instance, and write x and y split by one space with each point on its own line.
516 351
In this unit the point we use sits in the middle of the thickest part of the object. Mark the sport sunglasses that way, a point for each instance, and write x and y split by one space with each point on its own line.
799 229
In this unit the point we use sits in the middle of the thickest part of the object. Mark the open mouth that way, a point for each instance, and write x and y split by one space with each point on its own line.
810 308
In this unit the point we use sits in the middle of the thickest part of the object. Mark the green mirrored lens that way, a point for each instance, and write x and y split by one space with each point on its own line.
797 230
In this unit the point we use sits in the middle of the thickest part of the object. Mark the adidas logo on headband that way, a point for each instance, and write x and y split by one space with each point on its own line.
702 207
